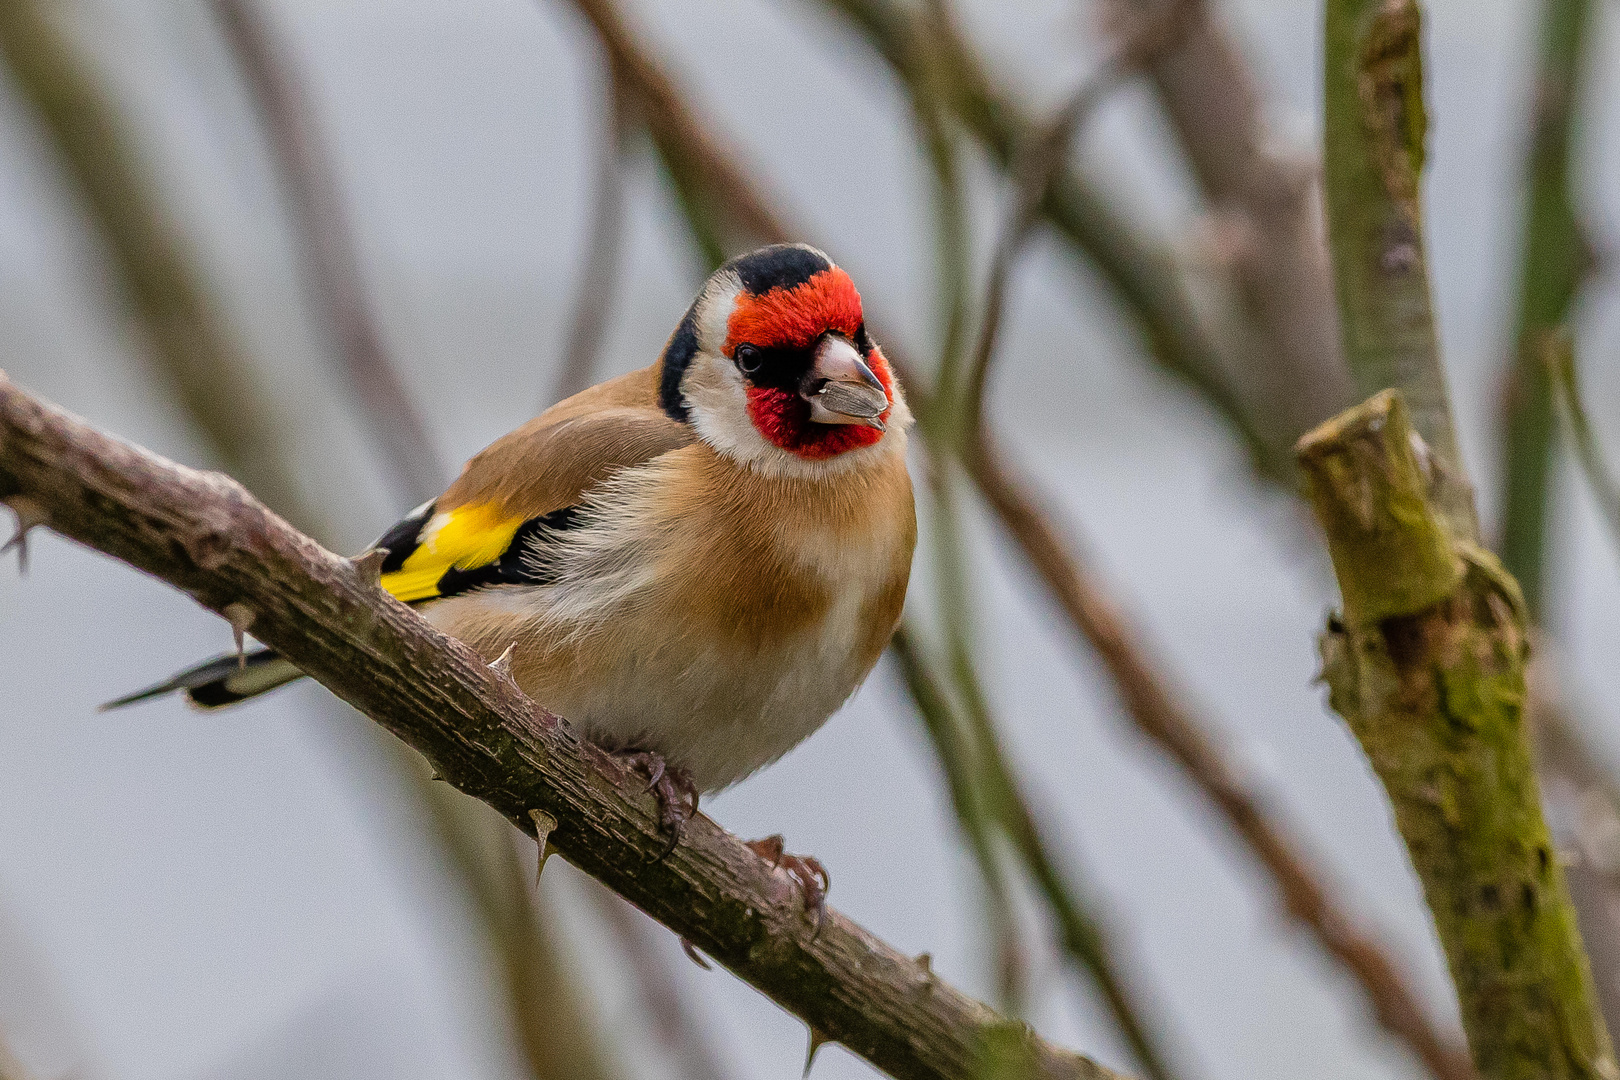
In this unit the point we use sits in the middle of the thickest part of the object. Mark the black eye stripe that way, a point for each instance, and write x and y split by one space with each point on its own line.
776 367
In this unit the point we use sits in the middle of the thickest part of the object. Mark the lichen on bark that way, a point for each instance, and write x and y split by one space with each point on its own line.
1427 667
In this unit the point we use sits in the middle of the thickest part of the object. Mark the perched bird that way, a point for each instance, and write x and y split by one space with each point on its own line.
695 563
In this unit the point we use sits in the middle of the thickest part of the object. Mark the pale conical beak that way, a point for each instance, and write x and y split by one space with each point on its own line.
841 389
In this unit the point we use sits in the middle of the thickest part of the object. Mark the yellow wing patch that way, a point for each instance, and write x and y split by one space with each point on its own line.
462 539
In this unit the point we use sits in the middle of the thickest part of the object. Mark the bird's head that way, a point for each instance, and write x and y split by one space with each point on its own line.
773 366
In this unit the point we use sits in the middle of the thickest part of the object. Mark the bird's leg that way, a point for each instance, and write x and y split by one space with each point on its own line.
677 798
813 879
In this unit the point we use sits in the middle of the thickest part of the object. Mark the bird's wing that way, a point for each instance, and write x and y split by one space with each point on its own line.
525 485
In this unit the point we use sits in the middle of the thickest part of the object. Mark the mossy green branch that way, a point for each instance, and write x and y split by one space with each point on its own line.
1427 667
1374 130
1555 260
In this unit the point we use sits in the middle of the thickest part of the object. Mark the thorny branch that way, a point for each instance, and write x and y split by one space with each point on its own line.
1147 698
204 534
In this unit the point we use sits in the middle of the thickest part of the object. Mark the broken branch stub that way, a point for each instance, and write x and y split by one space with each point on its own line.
1368 476
1426 666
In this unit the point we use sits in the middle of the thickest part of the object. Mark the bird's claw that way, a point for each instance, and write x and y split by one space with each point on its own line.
677 798
814 881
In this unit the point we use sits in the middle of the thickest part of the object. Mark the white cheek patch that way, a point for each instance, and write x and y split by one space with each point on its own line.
717 401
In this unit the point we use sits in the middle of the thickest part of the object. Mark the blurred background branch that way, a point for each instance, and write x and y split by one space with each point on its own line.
334 281
718 184
188 339
1557 349
1232 299
1556 256
599 262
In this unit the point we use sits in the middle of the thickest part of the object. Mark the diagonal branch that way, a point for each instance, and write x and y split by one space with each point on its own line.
204 534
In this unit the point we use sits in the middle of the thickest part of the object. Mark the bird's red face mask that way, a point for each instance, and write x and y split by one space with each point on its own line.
817 386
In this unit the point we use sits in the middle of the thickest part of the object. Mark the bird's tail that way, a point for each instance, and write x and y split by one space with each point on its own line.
224 680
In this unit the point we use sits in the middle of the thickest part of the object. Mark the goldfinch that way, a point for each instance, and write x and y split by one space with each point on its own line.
697 562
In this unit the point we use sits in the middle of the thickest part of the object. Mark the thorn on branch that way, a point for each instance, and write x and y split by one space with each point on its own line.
544 826
30 515
368 566
240 616
502 665
693 955
818 1039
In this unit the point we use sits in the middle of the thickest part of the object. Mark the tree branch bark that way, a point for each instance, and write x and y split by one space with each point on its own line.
1426 665
204 534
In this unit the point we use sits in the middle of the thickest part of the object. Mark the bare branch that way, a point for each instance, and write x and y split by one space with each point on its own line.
204 534
1004 805
1292 368
674 1024
1426 665
950 744
1036 167
696 157
1157 713
1555 260
603 243
1557 350
326 242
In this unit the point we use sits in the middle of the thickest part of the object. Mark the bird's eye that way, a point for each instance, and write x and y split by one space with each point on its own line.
748 358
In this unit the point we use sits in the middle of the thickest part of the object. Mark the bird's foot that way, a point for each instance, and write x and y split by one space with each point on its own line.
677 797
813 879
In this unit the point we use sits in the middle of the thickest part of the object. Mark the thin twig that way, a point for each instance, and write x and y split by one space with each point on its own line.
1263 208
665 1003
975 746
945 732
1558 356
604 242
204 534
953 256
1035 168
326 244
696 157
1148 702
1555 260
